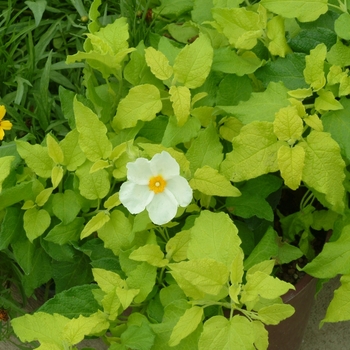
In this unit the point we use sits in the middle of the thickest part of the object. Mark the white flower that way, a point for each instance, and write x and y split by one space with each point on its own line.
155 185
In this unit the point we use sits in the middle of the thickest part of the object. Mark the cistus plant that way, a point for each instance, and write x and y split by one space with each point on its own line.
195 165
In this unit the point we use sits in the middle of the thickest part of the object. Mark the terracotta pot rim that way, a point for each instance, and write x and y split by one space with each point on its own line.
301 284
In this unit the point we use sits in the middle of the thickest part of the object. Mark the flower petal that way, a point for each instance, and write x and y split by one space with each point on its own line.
162 208
139 171
164 164
6 125
2 111
181 190
2 133
135 197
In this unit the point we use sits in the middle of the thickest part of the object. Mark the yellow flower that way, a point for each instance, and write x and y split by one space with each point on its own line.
4 124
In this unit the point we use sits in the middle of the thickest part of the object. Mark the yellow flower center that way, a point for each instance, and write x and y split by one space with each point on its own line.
157 184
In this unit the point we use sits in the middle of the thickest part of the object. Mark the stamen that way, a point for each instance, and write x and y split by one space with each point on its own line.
157 184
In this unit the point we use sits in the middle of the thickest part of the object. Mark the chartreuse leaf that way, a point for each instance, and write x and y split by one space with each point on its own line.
180 97
275 313
236 276
241 27
65 206
5 167
199 277
288 126
291 162
262 106
43 196
54 150
206 149
187 324
117 233
261 285
342 26
92 133
339 54
141 103
158 63
339 307
151 253
322 156
222 333
64 233
56 175
95 185
326 101
314 70
254 153
303 10
334 258
210 182
192 64
73 155
36 157
94 224
276 33
214 236
35 222
176 247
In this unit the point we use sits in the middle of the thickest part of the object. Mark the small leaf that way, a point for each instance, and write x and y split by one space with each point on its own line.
158 63
342 26
180 96
177 246
141 103
192 64
5 167
187 324
38 8
43 196
36 221
314 70
276 33
56 175
73 155
327 102
65 206
151 253
274 314
210 182
95 223
54 150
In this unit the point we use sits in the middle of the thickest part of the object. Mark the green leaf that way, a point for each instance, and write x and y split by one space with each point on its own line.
158 63
92 133
177 246
141 103
275 313
180 97
54 150
117 232
342 26
339 54
175 134
228 61
73 155
254 153
174 7
187 324
192 64
288 70
240 26
222 333
65 233
326 102
35 222
276 33
94 224
65 206
210 182
206 149
199 277
73 302
314 69
337 123
261 285
303 10
334 258
43 196
11 226
339 307
38 8
5 167
214 236
262 106
291 163
151 253
36 157
322 156
288 126
95 185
